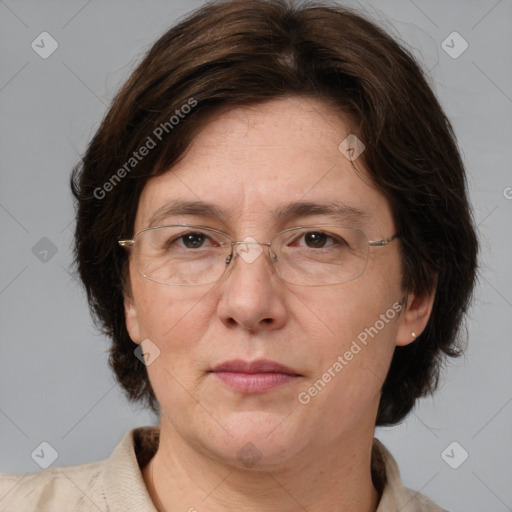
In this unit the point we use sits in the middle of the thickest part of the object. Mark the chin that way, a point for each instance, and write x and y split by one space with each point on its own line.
257 440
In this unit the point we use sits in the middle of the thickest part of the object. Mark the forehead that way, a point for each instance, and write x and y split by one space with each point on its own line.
251 164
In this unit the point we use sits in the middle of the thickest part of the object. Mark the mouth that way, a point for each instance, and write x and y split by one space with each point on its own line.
254 377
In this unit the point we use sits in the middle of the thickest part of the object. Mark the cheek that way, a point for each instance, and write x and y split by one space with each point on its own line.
168 316
345 390
352 339
341 314
174 319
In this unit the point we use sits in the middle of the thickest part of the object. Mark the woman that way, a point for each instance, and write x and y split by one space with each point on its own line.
273 229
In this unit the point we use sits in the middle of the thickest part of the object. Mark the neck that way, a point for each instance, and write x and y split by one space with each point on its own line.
181 477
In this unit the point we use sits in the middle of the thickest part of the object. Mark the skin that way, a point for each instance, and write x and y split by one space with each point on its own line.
248 162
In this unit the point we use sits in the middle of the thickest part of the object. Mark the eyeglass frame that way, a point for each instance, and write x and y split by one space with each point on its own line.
129 243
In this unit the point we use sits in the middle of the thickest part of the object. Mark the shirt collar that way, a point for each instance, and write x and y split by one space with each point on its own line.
124 484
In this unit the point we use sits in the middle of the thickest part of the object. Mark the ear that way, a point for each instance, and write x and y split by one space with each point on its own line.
132 320
414 317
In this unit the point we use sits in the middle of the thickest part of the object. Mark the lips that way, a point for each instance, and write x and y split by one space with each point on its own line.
254 377
260 366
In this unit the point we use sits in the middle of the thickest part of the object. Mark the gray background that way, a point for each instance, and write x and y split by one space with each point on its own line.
55 385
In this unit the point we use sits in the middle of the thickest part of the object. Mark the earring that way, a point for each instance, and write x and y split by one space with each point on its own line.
413 334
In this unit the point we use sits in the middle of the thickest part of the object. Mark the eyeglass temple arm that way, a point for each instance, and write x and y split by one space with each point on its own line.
126 243
384 241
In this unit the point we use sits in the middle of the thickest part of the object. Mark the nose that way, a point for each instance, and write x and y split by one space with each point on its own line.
252 295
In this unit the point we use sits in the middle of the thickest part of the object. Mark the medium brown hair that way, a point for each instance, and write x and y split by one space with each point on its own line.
244 52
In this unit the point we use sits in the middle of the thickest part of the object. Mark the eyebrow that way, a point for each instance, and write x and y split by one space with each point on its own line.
336 210
197 208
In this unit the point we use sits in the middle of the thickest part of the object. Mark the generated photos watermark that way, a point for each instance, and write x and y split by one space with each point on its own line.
147 352
356 347
150 143
351 147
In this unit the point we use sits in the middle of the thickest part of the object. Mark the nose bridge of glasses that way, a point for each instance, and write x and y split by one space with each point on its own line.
249 249
249 241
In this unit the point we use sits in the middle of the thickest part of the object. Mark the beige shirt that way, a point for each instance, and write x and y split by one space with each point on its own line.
116 484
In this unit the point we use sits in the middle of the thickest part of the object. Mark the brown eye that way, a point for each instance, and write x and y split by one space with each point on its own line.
193 240
316 239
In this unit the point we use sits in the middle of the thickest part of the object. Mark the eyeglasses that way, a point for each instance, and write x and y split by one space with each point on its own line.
185 255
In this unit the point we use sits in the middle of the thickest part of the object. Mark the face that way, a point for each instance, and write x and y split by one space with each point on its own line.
337 340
